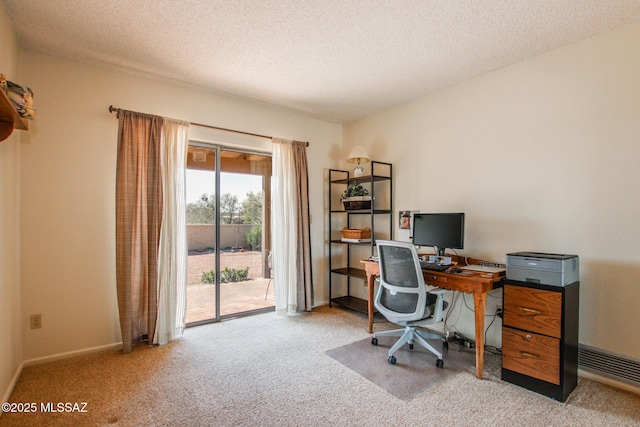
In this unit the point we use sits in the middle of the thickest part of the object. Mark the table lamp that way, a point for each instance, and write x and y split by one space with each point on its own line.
358 155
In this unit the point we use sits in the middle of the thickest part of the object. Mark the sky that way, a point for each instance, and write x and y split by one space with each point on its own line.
200 182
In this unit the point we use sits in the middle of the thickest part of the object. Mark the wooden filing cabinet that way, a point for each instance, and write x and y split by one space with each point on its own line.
540 337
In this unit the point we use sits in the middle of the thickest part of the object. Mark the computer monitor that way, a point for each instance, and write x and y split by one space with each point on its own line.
440 230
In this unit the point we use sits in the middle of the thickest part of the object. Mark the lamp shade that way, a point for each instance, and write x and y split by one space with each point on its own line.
358 155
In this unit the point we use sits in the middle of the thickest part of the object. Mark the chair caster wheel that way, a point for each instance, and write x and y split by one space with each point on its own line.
445 345
440 363
392 360
374 341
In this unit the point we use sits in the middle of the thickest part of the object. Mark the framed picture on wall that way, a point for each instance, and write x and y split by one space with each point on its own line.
405 220
405 226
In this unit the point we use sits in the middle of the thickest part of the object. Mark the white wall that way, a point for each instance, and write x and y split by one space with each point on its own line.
542 156
10 333
68 187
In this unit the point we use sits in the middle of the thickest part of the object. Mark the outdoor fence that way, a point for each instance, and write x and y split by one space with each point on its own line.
202 236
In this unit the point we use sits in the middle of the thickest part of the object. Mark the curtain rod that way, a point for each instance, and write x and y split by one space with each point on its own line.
117 110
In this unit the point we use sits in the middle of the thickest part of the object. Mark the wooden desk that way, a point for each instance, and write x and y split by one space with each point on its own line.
474 283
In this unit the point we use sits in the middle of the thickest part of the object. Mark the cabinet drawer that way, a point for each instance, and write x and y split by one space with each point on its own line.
531 354
534 310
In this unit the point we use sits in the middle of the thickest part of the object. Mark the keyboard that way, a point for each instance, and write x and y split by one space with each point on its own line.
483 268
426 265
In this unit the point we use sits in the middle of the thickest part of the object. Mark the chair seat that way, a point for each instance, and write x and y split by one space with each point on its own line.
423 322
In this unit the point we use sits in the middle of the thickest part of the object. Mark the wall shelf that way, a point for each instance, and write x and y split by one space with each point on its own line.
10 119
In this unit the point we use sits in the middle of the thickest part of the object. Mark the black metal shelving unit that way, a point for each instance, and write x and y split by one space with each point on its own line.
381 172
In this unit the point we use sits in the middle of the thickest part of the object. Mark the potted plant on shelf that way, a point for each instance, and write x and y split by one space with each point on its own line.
356 197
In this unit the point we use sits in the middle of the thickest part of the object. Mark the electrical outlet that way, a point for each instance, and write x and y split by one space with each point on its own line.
36 321
499 311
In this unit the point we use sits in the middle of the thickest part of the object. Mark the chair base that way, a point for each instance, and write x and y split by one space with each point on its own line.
409 335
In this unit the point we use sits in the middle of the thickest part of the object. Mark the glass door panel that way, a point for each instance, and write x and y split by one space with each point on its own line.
228 218
201 236
244 274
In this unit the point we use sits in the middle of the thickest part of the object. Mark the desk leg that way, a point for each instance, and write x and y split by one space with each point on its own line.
370 283
479 300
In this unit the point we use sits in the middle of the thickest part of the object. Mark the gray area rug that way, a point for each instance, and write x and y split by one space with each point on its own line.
415 370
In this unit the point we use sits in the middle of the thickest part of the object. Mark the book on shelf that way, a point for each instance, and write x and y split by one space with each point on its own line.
347 239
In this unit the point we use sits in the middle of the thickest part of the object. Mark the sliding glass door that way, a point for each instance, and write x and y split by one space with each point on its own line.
228 194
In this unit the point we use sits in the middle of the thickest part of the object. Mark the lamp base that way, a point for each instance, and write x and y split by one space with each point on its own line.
358 171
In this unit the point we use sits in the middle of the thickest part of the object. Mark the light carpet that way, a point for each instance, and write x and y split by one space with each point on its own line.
415 370
269 371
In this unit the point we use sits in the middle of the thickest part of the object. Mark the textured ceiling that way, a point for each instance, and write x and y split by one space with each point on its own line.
338 60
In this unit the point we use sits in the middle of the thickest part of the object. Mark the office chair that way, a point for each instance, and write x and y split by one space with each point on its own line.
403 298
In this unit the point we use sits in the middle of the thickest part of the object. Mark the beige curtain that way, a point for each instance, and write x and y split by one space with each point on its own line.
303 254
290 228
138 220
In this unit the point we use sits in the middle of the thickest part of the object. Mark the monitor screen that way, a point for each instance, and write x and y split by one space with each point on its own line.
442 230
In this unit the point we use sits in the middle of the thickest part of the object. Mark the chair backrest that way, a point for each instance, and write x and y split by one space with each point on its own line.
402 294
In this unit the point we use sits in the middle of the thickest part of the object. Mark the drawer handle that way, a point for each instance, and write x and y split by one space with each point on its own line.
529 310
527 354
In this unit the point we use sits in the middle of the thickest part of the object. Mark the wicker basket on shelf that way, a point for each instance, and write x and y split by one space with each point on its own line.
358 202
356 233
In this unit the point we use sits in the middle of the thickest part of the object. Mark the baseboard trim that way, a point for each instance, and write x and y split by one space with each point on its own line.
52 358
608 381
60 356
12 384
